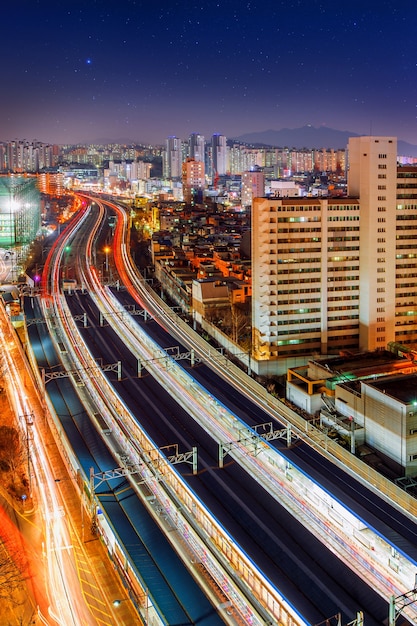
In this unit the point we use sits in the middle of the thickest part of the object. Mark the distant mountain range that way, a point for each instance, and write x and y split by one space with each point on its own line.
310 137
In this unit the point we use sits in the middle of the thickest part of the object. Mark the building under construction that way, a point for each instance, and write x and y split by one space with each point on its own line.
20 212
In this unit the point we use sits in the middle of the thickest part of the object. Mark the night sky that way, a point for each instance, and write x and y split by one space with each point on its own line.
78 72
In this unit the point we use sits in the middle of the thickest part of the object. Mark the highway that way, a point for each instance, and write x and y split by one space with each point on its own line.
46 533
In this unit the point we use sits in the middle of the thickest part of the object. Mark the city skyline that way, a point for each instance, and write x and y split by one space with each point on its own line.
141 72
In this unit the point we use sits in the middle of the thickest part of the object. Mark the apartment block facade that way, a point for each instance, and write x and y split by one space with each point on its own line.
196 147
253 186
219 155
24 156
333 274
193 180
172 158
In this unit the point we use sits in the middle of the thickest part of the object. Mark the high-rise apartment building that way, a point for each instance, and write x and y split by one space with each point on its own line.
334 274
24 156
129 170
305 272
406 257
172 158
196 147
373 179
52 183
193 180
219 157
253 186
285 162
329 160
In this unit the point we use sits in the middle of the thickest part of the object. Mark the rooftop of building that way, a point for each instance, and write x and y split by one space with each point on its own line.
213 289
359 365
353 361
10 183
402 388
311 200
407 168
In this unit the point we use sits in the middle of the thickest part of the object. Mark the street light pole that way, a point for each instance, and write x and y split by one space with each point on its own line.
107 250
28 422
66 270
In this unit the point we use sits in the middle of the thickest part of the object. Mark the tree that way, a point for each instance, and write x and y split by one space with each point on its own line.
12 570
239 322
12 452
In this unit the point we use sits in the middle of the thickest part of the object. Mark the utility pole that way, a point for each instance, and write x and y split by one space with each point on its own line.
397 604
28 417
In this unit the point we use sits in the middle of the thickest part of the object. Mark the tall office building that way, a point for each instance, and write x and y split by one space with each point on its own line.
196 147
172 158
334 274
219 160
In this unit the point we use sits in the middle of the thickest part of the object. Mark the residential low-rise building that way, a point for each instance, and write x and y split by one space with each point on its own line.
368 398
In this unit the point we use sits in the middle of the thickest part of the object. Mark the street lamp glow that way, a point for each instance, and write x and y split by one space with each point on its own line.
107 249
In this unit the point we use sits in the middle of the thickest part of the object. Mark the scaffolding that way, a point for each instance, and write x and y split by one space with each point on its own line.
20 212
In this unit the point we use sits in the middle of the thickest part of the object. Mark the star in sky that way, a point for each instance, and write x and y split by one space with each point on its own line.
216 66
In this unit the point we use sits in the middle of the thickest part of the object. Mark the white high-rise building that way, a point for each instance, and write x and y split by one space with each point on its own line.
334 274
219 155
372 178
305 267
253 186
